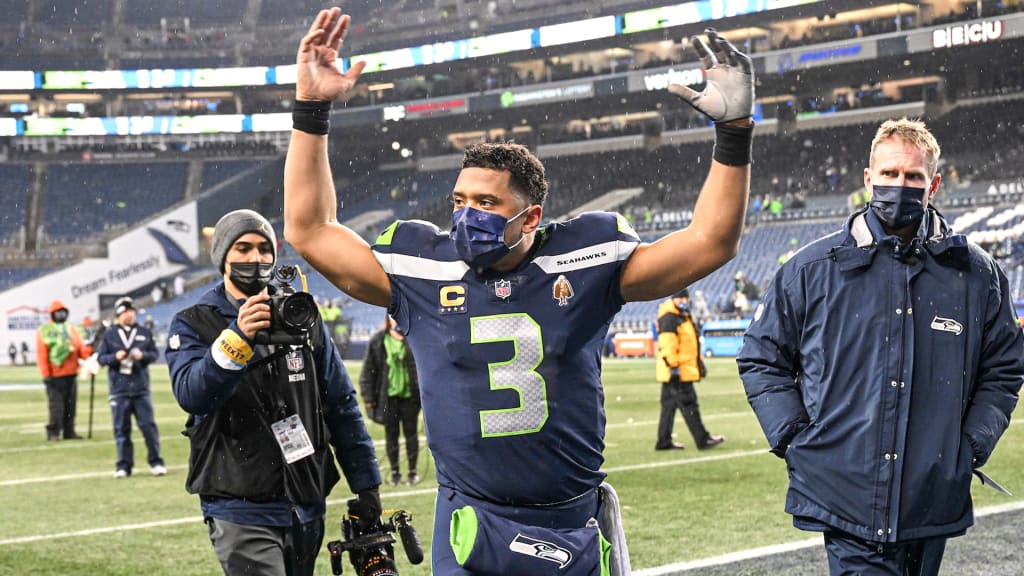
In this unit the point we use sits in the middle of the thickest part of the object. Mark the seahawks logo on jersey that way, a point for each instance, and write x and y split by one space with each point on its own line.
540 549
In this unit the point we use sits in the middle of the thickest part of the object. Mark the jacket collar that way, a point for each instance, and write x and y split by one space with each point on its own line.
865 234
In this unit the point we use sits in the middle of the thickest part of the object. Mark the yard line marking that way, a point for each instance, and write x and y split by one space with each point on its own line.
107 530
718 416
672 569
79 476
78 444
699 459
82 475
176 521
40 426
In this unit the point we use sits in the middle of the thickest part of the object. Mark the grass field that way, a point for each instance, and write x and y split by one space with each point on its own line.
63 513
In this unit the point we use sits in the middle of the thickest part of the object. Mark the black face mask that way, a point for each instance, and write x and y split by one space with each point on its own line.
251 277
898 206
60 316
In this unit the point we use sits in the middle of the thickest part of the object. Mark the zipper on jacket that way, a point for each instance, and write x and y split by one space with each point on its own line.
904 318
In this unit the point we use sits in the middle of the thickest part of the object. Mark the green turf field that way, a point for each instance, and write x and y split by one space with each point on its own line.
63 512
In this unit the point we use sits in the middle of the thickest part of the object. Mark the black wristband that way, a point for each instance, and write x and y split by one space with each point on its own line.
733 144
312 116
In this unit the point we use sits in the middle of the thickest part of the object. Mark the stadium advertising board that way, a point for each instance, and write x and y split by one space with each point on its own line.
967 34
155 78
159 248
17 79
573 91
822 55
681 14
8 126
130 125
426 109
442 107
661 78
501 43
426 54
963 34
578 31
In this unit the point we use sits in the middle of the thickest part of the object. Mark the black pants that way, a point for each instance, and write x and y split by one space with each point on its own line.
680 396
404 412
851 556
62 392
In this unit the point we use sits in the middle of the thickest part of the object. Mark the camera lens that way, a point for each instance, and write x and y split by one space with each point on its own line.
298 311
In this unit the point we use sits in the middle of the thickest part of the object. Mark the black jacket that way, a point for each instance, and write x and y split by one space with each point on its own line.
373 380
225 408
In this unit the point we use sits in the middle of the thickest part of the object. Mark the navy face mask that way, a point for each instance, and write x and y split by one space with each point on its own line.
251 277
897 206
479 236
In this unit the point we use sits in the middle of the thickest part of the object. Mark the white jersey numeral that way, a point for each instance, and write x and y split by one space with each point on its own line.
518 374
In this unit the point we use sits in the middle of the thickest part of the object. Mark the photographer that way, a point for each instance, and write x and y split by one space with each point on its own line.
261 415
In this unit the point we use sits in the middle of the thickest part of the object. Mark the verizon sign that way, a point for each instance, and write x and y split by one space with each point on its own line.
660 81
967 34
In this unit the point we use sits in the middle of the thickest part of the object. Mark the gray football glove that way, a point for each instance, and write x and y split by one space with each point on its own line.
729 93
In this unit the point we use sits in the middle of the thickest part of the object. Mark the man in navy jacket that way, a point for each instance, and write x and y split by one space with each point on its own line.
883 365
128 349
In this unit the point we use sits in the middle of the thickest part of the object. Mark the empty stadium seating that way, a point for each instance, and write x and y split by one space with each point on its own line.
83 200
15 185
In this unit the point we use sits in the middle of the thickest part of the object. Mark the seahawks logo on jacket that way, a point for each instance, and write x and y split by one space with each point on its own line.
947 325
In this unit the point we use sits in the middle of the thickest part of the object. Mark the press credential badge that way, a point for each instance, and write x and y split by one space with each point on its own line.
292 438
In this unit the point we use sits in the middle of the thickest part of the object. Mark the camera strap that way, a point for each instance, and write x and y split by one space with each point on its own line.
208 323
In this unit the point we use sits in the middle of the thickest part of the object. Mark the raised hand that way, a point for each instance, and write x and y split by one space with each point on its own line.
729 93
319 76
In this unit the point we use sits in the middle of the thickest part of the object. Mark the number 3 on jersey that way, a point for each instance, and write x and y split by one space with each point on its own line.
517 373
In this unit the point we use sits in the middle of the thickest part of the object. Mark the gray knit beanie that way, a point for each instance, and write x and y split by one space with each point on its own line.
234 225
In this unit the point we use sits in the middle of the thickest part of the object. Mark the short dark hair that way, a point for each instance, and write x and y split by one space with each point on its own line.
527 171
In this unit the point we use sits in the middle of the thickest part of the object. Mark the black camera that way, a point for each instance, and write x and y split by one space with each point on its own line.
372 551
292 314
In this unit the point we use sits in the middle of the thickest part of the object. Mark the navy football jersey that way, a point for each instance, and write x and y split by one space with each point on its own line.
510 363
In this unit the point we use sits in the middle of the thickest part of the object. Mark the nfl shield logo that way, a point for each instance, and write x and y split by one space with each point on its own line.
502 289
295 362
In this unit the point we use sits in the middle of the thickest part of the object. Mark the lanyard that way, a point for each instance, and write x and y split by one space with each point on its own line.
126 337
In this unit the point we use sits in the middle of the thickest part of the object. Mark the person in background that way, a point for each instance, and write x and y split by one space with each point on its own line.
12 351
58 350
127 350
391 393
263 417
679 366
883 365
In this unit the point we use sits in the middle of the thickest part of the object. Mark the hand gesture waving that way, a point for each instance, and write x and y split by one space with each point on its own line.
729 93
319 76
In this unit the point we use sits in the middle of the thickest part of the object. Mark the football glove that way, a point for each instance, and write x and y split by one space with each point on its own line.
729 91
